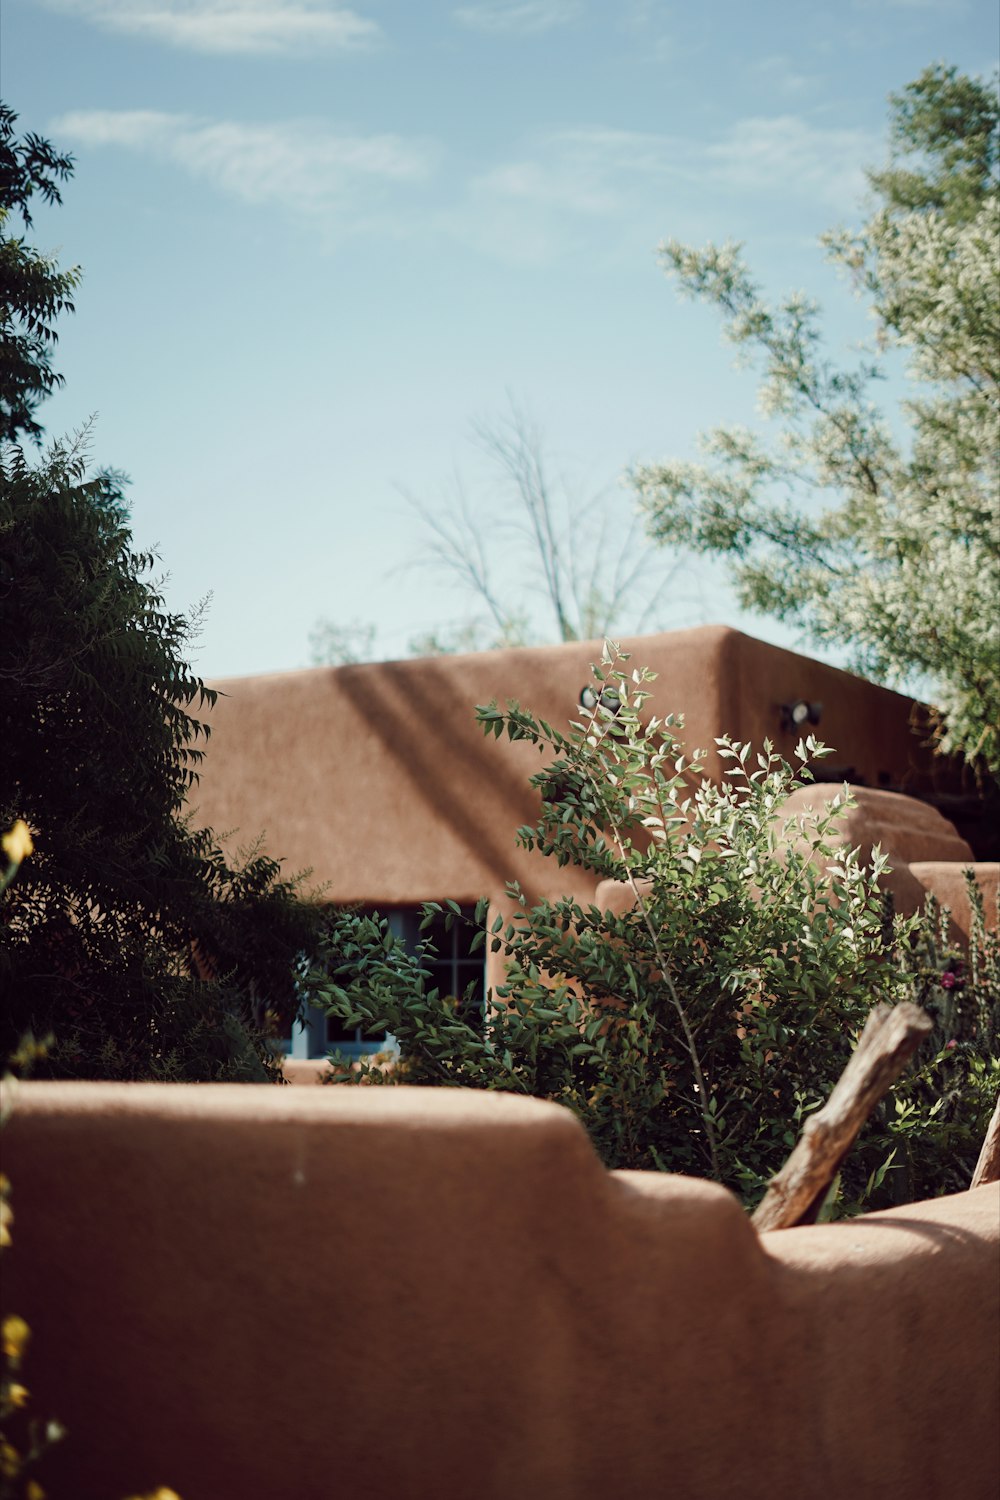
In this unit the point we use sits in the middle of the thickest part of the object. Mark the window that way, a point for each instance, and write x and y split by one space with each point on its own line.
453 968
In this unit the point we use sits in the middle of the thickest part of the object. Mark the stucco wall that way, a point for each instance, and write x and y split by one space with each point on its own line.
264 1293
378 778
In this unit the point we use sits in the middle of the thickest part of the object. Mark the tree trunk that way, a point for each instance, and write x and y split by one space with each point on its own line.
988 1165
891 1035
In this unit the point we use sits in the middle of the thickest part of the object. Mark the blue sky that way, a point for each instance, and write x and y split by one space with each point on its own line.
319 241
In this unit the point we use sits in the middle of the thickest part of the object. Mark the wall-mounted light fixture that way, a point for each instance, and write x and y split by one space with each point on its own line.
609 699
799 713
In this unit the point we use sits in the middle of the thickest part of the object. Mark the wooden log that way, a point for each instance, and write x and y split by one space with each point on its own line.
891 1035
988 1165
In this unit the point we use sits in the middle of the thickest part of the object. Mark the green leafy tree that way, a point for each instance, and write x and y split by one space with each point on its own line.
33 291
902 566
129 936
944 146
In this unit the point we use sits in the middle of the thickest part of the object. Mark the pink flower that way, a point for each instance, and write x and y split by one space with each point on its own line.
948 980
949 1045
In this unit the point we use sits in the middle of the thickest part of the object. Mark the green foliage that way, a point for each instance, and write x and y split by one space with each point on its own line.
903 566
33 291
367 978
24 1438
941 1108
945 146
129 934
695 1030
332 644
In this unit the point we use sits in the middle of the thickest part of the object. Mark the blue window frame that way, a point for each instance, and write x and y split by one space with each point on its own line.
452 970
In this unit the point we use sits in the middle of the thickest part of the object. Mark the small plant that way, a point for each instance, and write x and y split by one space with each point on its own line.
941 1108
24 1439
694 1030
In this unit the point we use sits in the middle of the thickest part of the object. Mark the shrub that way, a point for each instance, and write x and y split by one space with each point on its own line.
693 1031
938 1115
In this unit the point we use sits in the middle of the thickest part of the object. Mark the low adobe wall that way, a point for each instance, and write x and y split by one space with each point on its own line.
927 855
259 1292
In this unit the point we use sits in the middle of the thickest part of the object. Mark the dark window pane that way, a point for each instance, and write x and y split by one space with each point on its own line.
439 937
337 1031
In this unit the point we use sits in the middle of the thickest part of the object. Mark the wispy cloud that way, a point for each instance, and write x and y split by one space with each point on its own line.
239 27
596 185
648 22
945 7
516 17
534 206
787 155
594 170
780 72
299 165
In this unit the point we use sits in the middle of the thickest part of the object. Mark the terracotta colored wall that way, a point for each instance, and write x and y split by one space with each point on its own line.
258 1292
868 727
926 854
378 778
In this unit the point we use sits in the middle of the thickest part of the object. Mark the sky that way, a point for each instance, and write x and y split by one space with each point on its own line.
320 242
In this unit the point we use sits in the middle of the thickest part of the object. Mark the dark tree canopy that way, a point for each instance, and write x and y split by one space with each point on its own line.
127 934
33 291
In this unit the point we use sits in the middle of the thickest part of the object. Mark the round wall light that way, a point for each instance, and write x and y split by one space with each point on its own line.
799 713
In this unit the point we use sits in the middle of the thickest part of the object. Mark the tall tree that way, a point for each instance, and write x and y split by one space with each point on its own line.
902 566
33 290
943 145
129 935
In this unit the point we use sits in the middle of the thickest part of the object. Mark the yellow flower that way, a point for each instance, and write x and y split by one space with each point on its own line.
17 843
6 1212
14 1336
18 1395
10 1460
33 1490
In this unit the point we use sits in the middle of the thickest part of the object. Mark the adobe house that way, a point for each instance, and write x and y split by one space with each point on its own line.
378 779
239 1290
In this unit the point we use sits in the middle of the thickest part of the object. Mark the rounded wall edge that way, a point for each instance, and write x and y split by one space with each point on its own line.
237 1289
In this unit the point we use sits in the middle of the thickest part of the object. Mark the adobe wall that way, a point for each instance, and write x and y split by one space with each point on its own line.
246 1291
378 779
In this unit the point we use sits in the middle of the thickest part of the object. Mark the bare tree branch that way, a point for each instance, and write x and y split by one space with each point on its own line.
891 1036
596 575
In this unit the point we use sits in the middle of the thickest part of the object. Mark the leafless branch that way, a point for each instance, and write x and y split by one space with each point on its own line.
595 574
